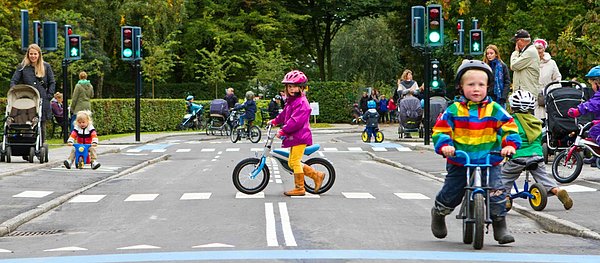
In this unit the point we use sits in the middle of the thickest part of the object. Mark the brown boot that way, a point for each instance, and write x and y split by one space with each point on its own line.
315 175
299 189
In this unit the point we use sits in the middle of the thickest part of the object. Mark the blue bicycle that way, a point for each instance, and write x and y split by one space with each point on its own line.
474 210
251 175
536 194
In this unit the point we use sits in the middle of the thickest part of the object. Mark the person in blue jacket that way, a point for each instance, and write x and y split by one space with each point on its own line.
250 114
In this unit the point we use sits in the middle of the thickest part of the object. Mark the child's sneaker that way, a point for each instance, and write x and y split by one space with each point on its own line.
564 198
67 164
95 165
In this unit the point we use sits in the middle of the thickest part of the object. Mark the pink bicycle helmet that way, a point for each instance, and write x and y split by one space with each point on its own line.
295 77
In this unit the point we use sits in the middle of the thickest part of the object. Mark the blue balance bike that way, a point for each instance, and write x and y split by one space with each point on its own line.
536 194
82 156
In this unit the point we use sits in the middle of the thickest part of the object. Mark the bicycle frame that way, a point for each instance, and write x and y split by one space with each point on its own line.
581 143
475 186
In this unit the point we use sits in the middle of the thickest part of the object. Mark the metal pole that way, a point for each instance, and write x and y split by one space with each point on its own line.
426 123
66 90
138 81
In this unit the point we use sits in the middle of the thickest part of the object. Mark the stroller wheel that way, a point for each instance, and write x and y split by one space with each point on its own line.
31 154
8 154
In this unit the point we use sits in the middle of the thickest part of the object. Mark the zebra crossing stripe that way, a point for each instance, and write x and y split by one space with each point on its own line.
379 149
411 196
183 150
195 196
208 150
33 194
356 195
87 198
241 195
141 197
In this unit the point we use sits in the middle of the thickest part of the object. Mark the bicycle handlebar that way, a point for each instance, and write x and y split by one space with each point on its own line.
458 153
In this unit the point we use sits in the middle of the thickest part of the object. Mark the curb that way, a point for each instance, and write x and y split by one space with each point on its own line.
12 224
549 222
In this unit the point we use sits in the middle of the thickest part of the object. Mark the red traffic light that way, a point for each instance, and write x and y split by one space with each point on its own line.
458 26
74 40
475 36
70 31
434 13
127 33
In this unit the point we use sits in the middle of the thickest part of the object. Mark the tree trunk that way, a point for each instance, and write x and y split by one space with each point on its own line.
320 50
99 88
153 88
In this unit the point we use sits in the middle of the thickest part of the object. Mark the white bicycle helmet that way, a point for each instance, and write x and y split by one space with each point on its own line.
522 101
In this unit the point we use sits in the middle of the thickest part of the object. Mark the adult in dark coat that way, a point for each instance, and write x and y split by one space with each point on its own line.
35 72
230 98
363 102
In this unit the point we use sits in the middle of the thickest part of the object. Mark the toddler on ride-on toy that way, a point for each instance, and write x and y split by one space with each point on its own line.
83 133
476 125
371 118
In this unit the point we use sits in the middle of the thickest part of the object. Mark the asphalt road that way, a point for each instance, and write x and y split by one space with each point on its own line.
185 207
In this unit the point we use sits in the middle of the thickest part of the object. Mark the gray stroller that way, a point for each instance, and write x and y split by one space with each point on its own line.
22 127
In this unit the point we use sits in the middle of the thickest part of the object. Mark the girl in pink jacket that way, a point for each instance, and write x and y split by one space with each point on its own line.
295 131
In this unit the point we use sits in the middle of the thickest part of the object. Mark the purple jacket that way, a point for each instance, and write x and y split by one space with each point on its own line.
295 118
592 105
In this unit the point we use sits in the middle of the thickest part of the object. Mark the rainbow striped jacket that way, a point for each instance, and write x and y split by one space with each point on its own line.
476 128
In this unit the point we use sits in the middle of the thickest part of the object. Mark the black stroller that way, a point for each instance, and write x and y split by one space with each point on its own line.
22 129
219 113
560 129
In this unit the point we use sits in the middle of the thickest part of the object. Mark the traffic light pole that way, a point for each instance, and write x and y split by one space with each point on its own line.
138 91
427 125
66 117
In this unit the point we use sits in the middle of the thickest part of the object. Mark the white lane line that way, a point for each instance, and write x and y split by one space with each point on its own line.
86 198
411 196
355 195
232 149
270 227
278 181
241 195
330 149
66 249
134 150
193 142
159 150
213 245
138 247
256 149
183 150
306 195
220 152
574 188
195 196
33 194
379 149
321 154
355 149
141 197
403 149
5 251
286 226
208 150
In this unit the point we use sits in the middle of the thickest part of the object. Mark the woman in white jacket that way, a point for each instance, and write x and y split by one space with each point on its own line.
548 72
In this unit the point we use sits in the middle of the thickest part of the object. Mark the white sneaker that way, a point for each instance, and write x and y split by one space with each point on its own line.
95 165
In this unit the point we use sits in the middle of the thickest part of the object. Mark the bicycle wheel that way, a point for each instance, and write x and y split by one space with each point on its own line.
565 171
540 197
468 227
242 176
479 216
80 162
235 134
321 165
378 136
255 134
365 136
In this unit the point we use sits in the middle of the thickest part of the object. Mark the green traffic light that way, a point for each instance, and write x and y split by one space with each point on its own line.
475 46
434 37
127 52
435 84
74 52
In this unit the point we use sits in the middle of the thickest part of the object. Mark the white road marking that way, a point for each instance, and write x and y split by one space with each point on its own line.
306 195
403 149
270 226
5 251
330 149
356 195
141 197
86 198
232 149
139 247
213 245
195 196
355 149
208 150
286 226
411 196
256 149
241 195
66 249
183 150
193 142
379 149
135 154
33 194
574 188
134 150
159 150
278 181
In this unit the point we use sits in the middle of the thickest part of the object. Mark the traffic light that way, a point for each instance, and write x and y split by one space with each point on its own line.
24 29
435 74
460 43
127 43
137 42
50 37
74 47
435 25
418 27
476 42
37 30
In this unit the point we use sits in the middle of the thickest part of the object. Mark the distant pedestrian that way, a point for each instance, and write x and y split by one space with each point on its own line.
363 102
230 98
383 110
501 75
392 109
274 107
405 82
82 95
548 73
57 108
525 62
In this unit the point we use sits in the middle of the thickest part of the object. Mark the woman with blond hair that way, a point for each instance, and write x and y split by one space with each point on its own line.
405 82
501 76
35 72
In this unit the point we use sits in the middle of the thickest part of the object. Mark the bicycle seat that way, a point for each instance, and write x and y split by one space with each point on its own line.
308 151
531 164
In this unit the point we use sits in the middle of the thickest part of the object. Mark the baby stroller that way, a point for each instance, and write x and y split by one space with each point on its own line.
410 115
437 106
193 117
219 113
560 96
22 129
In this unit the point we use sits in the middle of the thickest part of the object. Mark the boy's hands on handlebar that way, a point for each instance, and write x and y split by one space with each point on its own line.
448 150
508 150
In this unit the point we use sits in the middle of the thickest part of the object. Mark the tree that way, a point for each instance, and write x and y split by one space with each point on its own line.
160 60
215 66
269 66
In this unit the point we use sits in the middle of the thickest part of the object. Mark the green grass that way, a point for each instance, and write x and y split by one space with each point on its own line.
320 125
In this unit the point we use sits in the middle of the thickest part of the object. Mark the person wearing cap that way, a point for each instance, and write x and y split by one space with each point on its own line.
548 73
525 63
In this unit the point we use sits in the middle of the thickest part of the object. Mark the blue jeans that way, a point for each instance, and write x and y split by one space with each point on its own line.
453 190
371 131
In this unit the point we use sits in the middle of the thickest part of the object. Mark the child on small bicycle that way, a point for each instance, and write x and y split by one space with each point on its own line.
192 108
592 105
523 105
250 114
83 133
477 125
371 118
295 131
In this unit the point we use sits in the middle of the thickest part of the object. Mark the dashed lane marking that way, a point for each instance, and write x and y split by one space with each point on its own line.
379 149
574 188
213 245
33 194
241 195
66 249
195 196
159 150
87 198
141 197
411 196
232 149
208 150
138 247
355 149
183 150
5 251
357 195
